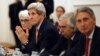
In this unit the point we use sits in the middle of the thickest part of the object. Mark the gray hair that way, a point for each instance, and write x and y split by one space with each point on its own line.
85 9
39 7
70 19
24 14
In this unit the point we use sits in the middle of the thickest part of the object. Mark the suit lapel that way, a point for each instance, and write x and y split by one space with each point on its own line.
41 30
93 43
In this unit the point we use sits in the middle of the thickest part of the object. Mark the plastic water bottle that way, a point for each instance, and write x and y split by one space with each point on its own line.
2 51
34 53
42 50
17 52
62 53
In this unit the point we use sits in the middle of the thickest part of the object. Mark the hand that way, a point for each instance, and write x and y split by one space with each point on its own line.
8 49
22 35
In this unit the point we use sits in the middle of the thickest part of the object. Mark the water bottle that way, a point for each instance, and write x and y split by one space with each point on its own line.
62 53
42 50
17 52
2 51
34 53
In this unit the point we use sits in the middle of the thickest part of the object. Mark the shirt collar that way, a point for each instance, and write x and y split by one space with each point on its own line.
72 37
38 27
91 35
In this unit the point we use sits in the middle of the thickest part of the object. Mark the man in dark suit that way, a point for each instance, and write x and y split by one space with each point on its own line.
86 23
14 9
61 47
43 35
69 36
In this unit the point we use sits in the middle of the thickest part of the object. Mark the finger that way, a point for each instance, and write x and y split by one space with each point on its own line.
27 31
18 28
18 34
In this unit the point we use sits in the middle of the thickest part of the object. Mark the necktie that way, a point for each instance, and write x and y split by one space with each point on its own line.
69 46
36 35
86 53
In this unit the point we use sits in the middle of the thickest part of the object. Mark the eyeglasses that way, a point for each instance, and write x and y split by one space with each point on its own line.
62 26
65 26
24 20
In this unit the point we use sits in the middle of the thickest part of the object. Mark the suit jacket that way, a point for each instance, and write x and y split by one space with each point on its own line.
94 48
62 45
47 38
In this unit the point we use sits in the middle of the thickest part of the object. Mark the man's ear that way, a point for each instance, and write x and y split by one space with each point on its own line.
94 20
42 15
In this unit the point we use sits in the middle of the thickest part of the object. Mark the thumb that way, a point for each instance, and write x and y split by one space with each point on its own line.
27 32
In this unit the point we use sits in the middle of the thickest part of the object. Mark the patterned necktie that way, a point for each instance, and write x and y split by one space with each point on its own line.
36 35
86 52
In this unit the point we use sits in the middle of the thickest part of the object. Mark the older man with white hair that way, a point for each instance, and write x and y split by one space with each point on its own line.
69 36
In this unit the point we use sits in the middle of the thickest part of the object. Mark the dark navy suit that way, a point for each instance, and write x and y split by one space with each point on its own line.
47 38
62 45
94 48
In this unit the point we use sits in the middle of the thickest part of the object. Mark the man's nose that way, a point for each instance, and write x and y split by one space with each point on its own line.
30 17
60 30
82 23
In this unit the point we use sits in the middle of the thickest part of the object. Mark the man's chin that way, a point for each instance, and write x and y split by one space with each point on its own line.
85 32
